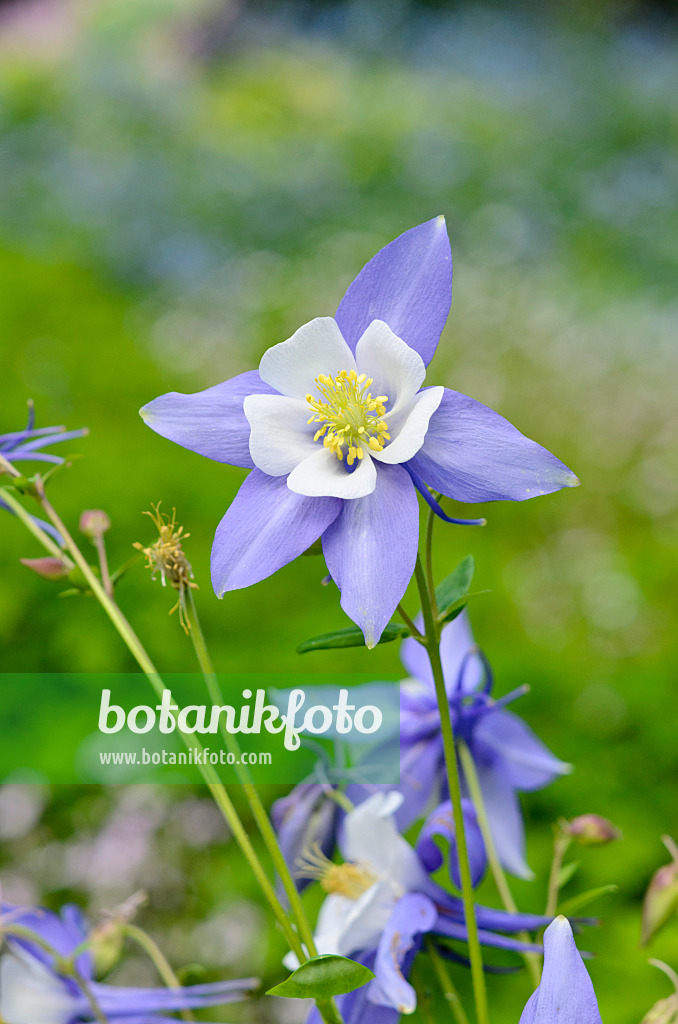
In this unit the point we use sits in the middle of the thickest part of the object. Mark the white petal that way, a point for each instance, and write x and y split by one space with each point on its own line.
396 369
331 927
323 475
367 918
30 993
318 347
280 437
371 837
408 428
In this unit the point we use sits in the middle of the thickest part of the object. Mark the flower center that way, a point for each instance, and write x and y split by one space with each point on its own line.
350 880
351 418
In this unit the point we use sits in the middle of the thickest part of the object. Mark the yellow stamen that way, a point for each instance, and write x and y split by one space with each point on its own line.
350 880
348 415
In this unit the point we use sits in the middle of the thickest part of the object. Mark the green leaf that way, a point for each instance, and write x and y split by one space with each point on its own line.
351 637
566 873
450 592
323 977
584 898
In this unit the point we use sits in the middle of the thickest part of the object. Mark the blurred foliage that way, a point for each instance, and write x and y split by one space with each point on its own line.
183 187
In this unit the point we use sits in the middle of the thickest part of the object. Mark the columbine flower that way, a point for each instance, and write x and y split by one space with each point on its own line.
26 446
507 755
340 435
166 556
381 902
565 995
306 818
33 992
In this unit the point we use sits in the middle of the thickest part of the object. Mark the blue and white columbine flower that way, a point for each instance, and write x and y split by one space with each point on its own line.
381 903
565 995
28 445
33 992
340 435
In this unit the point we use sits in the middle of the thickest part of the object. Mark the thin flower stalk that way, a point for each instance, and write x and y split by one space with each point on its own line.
500 880
432 644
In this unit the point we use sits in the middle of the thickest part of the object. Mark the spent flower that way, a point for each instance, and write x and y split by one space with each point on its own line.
340 435
166 556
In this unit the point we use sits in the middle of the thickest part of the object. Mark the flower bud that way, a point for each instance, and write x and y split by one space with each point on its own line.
663 1012
592 830
661 901
94 523
48 568
105 944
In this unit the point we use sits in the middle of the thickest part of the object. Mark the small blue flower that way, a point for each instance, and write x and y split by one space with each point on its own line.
340 434
507 755
565 995
33 992
27 446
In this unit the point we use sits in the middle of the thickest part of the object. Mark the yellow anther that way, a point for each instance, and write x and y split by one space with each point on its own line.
347 415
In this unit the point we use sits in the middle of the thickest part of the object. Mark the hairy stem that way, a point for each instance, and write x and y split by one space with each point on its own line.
432 641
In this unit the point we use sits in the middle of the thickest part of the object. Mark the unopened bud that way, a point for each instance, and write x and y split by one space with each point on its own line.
94 523
592 830
48 568
105 944
661 900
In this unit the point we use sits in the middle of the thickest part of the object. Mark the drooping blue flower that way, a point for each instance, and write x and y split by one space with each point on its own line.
27 446
565 995
340 434
381 903
507 755
33 992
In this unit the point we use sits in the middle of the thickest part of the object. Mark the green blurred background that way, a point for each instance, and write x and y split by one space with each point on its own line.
185 182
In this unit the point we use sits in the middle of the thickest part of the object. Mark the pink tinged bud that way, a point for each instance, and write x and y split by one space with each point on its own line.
592 830
661 901
94 523
48 568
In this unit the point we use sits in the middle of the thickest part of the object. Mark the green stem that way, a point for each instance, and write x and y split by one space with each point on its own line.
500 880
100 545
447 985
40 535
430 522
245 777
432 641
560 845
208 773
159 960
408 622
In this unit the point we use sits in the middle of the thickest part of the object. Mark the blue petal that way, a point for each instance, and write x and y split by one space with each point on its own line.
63 933
441 823
456 643
525 762
303 818
408 285
472 454
565 995
121 1002
413 916
505 818
371 550
267 526
211 422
